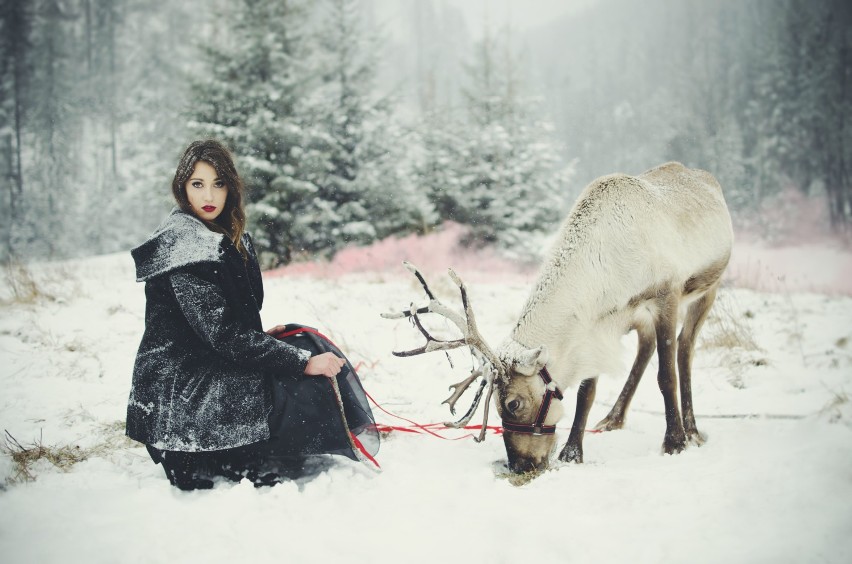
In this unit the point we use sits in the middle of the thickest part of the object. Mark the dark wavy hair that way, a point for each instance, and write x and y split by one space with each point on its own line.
232 220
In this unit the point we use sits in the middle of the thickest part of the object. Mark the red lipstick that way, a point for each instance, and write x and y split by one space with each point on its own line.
208 209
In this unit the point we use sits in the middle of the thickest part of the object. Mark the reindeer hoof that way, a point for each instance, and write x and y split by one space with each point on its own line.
674 444
572 453
695 438
609 424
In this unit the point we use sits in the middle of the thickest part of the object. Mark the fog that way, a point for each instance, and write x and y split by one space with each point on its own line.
98 100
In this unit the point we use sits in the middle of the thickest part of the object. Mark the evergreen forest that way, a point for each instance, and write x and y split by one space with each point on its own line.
348 129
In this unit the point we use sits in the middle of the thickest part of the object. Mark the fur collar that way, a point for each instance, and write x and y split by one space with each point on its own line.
179 241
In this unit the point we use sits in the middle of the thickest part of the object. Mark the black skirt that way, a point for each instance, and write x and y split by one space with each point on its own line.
311 415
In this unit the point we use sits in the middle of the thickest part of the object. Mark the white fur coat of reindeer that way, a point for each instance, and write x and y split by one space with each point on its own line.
636 252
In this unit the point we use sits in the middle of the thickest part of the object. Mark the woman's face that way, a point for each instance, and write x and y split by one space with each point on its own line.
205 192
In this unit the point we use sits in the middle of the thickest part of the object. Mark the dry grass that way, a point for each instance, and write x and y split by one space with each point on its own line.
518 480
25 284
64 457
501 471
25 457
727 327
113 438
22 286
729 331
836 407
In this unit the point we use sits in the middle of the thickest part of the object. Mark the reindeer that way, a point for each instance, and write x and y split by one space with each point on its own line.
635 253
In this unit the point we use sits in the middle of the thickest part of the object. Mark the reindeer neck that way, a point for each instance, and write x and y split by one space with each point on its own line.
563 313
554 307
554 334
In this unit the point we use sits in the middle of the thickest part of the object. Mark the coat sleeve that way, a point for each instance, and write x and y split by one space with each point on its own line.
202 301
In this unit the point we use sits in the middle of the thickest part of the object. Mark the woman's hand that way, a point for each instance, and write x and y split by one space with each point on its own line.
326 364
275 331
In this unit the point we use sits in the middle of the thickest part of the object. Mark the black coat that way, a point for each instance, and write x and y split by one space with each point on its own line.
201 377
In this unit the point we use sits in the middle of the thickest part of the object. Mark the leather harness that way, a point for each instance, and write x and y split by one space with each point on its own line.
538 427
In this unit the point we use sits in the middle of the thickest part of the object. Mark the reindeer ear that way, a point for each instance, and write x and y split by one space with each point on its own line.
531 360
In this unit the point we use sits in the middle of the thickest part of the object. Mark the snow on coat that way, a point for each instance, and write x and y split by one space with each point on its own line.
200 380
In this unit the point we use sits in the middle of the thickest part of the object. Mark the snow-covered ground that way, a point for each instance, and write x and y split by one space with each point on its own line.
773 375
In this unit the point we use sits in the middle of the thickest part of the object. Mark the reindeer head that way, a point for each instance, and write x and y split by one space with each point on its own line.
524 389
524 403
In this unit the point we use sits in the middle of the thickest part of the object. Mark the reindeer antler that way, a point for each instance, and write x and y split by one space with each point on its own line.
460 387
489 363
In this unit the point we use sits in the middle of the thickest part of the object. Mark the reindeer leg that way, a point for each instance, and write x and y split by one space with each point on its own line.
695 316
675 439
573 449
647 343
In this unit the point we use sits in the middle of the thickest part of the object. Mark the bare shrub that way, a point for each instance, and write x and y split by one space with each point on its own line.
728 330
30 284
727 327
838 406
22 286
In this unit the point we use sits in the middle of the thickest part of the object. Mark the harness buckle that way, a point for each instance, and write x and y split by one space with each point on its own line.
536 431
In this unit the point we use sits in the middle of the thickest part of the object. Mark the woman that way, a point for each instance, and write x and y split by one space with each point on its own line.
202 398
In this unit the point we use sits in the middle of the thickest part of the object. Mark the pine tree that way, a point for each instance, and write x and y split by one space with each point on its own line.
250 96
366 193
321 154
498 170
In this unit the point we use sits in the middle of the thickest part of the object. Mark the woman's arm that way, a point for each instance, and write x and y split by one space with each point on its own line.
323 364
202 301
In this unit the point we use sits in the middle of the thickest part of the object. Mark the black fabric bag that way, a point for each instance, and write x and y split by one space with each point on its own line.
315 415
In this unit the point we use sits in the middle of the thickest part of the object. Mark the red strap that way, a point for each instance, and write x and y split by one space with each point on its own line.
305 330
355 440
425 428
414 427
363 450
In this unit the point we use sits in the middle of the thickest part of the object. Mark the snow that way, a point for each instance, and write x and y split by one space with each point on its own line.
772 483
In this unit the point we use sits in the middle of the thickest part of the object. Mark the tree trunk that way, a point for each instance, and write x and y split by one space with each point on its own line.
113 118
19 43
88 10
845 135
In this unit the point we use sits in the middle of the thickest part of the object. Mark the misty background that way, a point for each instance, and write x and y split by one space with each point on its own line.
354 120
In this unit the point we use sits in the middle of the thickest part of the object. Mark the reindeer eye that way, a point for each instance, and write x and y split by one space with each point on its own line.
513 406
